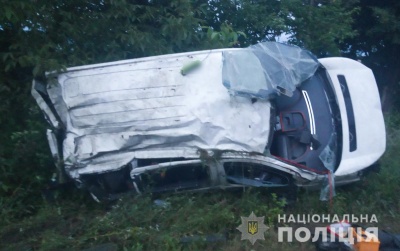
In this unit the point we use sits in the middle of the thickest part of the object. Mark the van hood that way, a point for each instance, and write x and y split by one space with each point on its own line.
370 135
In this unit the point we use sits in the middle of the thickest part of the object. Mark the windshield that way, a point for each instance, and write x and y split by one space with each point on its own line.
266 69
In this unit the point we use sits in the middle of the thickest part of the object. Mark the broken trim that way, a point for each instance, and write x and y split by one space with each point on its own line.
310 112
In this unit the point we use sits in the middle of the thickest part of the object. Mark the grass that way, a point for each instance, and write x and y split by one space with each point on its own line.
186 220
136 223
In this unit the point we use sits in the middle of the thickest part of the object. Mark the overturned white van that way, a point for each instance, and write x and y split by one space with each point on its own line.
270 115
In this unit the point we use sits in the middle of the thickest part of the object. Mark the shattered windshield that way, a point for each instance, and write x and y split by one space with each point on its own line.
266 69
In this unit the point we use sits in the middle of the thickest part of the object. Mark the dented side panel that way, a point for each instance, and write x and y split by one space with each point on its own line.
37 91
112 112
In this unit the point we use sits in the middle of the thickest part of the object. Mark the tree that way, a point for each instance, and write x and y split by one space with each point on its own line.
378 45
260 20
320 26
50 34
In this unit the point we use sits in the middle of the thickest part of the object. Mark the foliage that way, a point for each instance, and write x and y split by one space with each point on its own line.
258 20
49 35
312 24
377 45
25 163
320 26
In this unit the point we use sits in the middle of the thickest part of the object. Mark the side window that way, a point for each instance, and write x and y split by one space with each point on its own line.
178 177
252 174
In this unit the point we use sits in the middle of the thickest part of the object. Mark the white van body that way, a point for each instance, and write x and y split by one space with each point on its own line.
106 116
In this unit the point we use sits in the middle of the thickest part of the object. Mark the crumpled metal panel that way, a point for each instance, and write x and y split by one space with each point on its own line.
37 89
266 69
112 111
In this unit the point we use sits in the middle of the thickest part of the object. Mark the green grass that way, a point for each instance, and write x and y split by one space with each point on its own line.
136 223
